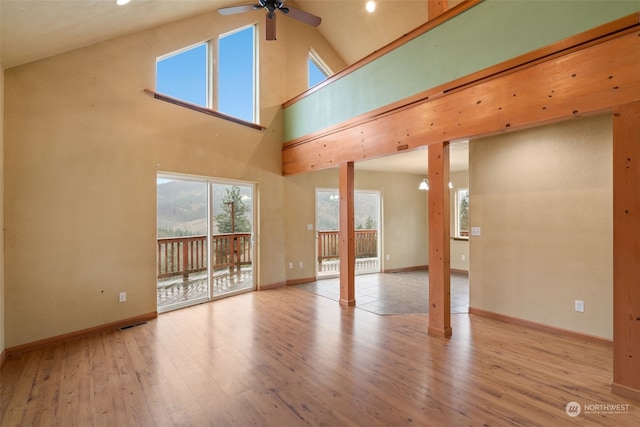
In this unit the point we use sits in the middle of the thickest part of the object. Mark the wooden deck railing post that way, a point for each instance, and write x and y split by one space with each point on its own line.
231 253
236 245
185 261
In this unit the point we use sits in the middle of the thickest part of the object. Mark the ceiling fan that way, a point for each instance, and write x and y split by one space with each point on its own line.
272 6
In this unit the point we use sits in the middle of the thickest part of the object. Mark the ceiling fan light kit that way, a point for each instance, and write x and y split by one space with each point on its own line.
272 6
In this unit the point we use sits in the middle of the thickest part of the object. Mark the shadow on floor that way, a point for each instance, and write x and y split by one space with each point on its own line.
395 293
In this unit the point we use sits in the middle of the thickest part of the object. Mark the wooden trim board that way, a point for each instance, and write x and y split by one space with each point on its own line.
539 326
302 281
22 348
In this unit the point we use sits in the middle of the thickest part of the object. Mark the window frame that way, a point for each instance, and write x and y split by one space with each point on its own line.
461 234
255 110
320 64
208 80
212 81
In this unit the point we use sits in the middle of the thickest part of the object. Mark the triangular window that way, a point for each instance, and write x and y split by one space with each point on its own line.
318 71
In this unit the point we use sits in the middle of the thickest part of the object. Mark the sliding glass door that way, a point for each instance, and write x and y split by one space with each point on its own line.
367 224
231 238
204 241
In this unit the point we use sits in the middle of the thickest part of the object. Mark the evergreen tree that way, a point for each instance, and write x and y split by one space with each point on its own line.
233 201
369 224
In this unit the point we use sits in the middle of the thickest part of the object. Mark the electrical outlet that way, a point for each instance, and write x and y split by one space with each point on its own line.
300 264
123 296
579 306
463 257
290 265
387 257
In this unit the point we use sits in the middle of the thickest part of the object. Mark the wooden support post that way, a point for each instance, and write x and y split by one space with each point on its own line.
347 233
439 256
626 250
436 7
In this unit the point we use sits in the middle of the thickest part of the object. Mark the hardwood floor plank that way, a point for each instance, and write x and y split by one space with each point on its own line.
287 357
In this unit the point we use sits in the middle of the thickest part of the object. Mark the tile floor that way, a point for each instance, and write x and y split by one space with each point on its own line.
395 293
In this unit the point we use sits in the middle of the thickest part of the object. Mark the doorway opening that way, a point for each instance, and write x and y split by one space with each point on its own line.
205 240
367 233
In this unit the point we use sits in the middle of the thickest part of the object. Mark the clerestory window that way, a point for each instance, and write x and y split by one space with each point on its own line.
188 75
237 74
184 74
318 71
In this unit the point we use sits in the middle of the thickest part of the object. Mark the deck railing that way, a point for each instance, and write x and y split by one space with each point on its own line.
186 255
366 244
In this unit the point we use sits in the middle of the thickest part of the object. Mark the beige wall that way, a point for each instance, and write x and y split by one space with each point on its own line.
543 201
83 144
404 218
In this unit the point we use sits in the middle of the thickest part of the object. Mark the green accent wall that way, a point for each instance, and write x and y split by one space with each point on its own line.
489 33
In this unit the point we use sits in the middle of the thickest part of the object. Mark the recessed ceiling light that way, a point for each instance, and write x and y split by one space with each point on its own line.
122 2
371 6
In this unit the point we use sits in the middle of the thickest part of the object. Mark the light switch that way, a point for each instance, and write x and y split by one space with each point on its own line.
475 231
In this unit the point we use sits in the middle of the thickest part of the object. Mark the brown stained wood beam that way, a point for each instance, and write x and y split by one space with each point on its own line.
436 8
347 235
587 80
439 234
204 110
626 250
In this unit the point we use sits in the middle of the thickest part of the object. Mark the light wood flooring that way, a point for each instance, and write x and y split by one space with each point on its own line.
288 357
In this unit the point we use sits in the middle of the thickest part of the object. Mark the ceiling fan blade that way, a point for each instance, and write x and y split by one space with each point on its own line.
271 26
301 15
238 9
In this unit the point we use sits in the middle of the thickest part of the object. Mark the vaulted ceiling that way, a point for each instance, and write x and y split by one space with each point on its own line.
35 29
